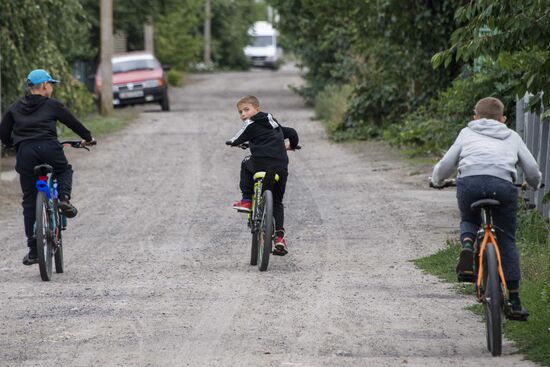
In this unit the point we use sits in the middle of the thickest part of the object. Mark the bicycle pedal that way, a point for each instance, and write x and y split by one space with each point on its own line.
514 317
466 277
243 211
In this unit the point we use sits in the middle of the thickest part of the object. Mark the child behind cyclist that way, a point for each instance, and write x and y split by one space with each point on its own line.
487 153
268 151
30 126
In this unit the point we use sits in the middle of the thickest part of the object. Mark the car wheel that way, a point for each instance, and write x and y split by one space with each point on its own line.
165 101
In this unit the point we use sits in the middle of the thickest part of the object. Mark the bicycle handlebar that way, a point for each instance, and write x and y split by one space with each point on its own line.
78 144
446 183
246 145
452 183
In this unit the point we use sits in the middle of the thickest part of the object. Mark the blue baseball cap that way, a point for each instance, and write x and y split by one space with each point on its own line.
39 76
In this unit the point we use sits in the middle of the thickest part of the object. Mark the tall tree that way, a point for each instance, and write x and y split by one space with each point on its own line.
514 34
33 35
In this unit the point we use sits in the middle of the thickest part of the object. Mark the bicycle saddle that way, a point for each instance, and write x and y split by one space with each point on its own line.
43 170
262 174
485 203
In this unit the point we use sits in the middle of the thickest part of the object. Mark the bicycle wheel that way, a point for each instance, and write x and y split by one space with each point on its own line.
59 267
43 241
265 235
493 301
254 249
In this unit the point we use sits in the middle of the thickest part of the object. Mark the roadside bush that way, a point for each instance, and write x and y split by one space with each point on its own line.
331 105
174 77
176 41
76 96
432 128
534 245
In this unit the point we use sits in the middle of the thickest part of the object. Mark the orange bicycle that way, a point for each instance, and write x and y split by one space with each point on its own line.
488 275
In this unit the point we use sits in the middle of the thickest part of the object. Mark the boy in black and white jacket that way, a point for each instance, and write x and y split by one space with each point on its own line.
268 151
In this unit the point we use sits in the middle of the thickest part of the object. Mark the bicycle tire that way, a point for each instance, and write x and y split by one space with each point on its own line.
58 257
43 242
265 234
254 249
493 301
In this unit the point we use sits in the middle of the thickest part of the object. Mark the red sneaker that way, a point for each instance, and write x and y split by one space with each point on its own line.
243 206
281 248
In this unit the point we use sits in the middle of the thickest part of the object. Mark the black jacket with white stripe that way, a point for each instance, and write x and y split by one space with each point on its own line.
267 140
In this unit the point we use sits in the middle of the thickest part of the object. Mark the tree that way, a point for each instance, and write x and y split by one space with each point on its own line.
230 22
383 48
518 40
33 35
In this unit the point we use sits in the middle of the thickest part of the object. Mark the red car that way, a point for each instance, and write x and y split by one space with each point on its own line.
138 78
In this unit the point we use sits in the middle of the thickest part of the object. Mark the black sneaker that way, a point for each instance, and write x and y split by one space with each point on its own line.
67 208
465 266
514 310
32 257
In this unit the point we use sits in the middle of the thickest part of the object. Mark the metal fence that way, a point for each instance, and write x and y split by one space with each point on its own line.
536 134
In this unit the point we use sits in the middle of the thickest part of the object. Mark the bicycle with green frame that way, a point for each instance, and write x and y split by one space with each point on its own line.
260 218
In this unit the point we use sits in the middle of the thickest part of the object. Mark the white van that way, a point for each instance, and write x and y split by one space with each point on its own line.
263 50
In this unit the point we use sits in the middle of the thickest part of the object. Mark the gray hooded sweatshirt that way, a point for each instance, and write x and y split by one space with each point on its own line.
488 147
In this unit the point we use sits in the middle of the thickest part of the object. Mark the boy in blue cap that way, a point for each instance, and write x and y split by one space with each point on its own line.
30 126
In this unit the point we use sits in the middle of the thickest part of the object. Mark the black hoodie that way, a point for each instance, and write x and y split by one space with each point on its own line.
267 140
34 117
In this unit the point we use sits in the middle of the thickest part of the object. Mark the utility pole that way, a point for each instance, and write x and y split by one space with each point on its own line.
106 15
207 34
0 100
148 31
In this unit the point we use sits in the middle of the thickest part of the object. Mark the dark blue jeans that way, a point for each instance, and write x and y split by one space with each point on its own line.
474 188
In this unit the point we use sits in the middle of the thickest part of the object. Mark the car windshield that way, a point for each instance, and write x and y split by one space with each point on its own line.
131 65
262 41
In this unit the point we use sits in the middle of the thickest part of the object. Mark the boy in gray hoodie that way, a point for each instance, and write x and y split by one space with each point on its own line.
487 152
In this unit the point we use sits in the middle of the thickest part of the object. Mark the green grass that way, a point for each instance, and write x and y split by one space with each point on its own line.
100 125
531 337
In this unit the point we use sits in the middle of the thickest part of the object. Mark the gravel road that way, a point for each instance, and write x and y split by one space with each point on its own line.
157 267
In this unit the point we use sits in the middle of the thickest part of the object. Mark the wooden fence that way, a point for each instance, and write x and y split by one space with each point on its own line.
536 134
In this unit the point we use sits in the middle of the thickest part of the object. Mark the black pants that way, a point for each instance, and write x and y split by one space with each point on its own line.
33 153
248 169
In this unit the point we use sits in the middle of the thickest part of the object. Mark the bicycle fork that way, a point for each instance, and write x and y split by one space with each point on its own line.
488 235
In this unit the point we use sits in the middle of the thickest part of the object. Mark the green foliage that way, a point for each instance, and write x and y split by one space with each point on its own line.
321 33
177 41
432 128
179 28
504 29
331 105
101 125
395 42
33 35
381 48
174 77
230 22
534 242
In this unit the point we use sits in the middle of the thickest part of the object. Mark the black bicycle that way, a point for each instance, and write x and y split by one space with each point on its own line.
50 222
